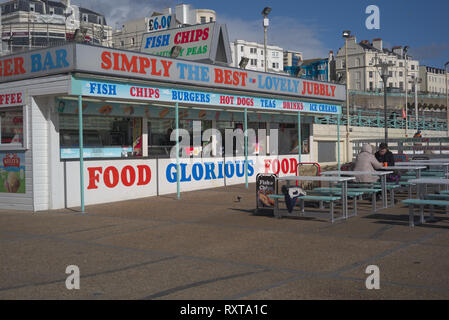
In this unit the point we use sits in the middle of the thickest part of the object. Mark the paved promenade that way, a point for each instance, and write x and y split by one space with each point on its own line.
209 245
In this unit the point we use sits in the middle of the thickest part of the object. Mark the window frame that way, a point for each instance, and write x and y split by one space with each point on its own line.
24 145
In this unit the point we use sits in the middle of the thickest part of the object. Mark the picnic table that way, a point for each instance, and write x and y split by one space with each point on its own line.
342 180
421 201
381 174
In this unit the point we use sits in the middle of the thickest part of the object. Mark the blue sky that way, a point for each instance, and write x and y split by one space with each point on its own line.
315 27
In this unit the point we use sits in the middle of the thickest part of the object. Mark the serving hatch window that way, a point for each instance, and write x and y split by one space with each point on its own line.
102 136
11 127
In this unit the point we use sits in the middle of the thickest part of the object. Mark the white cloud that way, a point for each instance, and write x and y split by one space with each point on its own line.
284 32
119 11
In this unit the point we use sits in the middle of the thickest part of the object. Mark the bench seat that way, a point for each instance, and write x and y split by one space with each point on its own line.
421 203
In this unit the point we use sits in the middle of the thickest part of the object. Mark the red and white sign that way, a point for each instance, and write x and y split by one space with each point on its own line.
11 98
111 180
11 160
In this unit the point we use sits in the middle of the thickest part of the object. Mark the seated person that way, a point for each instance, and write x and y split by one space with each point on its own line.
384 155
366 162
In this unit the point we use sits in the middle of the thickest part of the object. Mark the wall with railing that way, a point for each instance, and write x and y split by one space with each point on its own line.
376 119
430 147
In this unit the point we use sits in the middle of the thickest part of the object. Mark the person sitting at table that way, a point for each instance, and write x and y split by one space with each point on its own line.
366 162
384 155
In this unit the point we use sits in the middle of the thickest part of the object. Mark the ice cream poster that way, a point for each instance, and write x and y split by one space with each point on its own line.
12 172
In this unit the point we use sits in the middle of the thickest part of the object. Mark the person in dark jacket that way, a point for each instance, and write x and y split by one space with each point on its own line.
385 155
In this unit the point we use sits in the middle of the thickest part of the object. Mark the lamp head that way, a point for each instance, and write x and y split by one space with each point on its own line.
243 62
266 11
175 51
346 34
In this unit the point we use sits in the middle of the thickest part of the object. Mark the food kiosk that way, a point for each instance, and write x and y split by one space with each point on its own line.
83 125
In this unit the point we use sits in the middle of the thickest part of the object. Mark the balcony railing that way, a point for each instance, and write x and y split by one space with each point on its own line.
377 120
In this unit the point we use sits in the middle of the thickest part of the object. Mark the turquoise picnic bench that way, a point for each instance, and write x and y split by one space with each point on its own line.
421 203
355 194
330 199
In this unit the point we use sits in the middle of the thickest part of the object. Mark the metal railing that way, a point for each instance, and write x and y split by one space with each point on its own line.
430 147
394 121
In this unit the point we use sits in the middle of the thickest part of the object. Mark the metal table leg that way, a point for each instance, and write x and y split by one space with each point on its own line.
384 191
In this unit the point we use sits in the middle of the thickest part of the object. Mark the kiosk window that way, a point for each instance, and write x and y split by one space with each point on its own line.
288 138
11 127
102 133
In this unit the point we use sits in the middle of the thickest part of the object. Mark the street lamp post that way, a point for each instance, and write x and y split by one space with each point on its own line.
385 74
406 90
346 36
266 23
415 83
447 97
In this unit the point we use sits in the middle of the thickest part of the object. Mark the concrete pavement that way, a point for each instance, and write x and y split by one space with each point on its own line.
209 246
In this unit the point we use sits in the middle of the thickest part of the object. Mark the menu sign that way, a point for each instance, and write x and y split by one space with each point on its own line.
12 172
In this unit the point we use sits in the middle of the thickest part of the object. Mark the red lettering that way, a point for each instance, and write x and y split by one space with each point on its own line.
116 61
276 165
293 165
236 78
267 165
166 65
130 66
144 175
154 71
144 64
198 35
132 176
333 91
94 177
322 89
19 98
285 166
18 66
106 60
206 33
316 88
7 67
157 94
228 74
107 177
218 76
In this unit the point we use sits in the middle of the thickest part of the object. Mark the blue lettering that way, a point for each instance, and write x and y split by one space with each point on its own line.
165 40
194 73
36 64
184 178
229 169
48 62
250 168
112 90
205 74
210 174
147 44
170 173
181 67
240 174
220 170
61 58
197 171
260 82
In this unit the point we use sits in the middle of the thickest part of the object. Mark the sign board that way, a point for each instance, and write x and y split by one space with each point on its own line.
37 63
133 65
265 185
199 42
161 22
12 172
160 94
113 180
12 98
